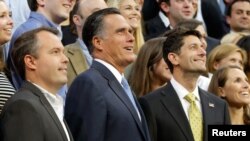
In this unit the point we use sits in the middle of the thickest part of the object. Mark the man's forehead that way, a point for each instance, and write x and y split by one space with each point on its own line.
191 39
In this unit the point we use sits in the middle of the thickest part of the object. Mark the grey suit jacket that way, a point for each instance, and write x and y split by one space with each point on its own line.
28 116
77 61
167 120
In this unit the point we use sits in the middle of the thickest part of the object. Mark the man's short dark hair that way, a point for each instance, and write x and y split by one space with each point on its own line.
229 9
167 1
189 24
174 42
94 25
33 4
27 43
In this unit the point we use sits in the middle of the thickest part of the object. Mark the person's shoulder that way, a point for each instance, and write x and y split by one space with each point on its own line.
73 47
88 76
156 94
23 97
25 27
212 97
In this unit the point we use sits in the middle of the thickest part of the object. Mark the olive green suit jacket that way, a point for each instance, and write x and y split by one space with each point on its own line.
77 61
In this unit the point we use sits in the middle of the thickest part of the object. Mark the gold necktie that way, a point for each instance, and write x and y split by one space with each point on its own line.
195 118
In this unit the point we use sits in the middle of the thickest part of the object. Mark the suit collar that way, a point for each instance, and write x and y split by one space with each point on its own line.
76 56
112 69
208 109
172 104
121 94
164 19
116 87
36 91
77 44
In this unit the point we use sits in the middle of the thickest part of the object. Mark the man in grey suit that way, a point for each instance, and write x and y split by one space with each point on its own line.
35 112
99 106
78 54
166 109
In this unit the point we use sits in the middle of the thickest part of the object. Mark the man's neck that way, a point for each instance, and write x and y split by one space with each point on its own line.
187 80
48 17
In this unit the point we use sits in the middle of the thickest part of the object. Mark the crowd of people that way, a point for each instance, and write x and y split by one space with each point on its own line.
123 70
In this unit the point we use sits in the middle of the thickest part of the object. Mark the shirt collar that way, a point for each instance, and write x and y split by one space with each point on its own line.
113 70
82 44
164 19
182 91
52 98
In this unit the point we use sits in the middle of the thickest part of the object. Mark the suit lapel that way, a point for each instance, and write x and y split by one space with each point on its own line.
119 91
69 132
208 109
47 106
173 105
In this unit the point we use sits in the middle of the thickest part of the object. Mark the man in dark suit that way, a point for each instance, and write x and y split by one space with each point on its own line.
35 112
98 107
166 109
214 18
238 16
175 11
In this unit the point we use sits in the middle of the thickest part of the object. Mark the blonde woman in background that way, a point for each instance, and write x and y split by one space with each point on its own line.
6 26
131 10
226 55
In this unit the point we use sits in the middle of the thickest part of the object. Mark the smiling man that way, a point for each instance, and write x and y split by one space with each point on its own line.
46 13
169 109
35 111
238 16
175 11
99 105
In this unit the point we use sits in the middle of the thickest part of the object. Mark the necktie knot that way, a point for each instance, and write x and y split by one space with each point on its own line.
190 97
125 83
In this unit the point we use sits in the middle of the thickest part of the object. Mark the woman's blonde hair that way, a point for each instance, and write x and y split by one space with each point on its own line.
222 51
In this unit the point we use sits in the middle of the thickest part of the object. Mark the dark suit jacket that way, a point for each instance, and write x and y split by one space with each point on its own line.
167 120
28 116
98 109
77 61
211 44
150 9
154 28
215 21
68 37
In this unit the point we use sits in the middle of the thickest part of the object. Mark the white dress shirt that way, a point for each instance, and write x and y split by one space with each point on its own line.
57 103
182 92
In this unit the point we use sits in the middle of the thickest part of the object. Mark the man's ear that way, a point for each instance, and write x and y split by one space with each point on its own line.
164 7
97 42
30 62
228 19
173 58
41 2
76 20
